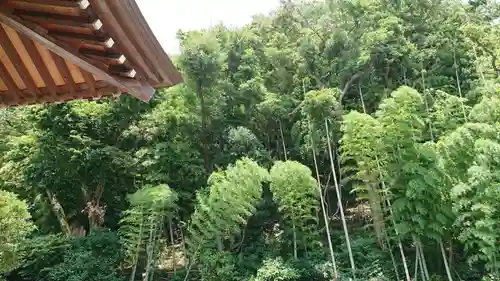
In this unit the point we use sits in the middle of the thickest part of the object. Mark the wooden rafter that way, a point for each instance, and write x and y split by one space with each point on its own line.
9 82
55 20
17 61
89 79
70 8
114 28
39 64
80 4
57 50
105 57
66 74
135 88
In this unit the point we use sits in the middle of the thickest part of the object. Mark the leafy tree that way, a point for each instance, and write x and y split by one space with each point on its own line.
94 257
231 200
142 226
16 226
294 189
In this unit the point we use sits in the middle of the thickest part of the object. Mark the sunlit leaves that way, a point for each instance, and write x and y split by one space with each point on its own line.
228 204
295 191
15 226
142 222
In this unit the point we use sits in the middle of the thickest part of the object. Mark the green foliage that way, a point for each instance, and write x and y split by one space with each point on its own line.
96 257
16 225
362 141
216 266
43 252
229 203
242 142
426 74
372 262
277 269
296 192
142 225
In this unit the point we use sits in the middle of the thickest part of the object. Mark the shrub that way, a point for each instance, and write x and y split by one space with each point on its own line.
95 257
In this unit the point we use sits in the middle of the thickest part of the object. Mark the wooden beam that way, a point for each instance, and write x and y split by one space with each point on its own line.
89 80
65 73
105 57
81 4
39 64
126 46
133 87
81 94
16 93
131 19
122 70
51 19
18 63
69 8
87 39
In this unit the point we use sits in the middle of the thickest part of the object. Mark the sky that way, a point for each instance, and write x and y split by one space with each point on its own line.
165 17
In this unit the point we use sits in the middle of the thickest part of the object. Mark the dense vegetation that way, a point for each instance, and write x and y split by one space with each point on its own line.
350 139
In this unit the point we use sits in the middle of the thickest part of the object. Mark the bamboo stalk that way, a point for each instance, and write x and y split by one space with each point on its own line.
448 273
170 226
341 208
325 216
422 258
400 245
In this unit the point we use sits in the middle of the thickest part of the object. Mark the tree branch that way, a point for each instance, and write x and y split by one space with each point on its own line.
347 85
491 53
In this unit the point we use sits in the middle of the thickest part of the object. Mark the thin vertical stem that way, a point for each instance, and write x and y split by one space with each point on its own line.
137 250
455 65
427 104
448 273
400 245
417 260
421 264
325 216
422 258
361 98
341 208
171 230
283 141
392 256
295 257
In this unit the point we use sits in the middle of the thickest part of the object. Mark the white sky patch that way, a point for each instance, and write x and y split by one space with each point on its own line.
166 17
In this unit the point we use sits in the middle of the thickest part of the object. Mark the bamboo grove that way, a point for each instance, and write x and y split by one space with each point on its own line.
328 140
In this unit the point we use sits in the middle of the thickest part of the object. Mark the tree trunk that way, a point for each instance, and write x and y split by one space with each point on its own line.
218 241
400 245
283 141
58 212
377 216
422 258
171 230
396 271
137 252
325 214
341 208
295 257
204 128
417 261
448 273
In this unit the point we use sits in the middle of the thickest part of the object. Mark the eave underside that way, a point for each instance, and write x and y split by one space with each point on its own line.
55 51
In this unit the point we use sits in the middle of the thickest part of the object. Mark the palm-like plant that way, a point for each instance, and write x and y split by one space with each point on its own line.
228 204
294 189
142 224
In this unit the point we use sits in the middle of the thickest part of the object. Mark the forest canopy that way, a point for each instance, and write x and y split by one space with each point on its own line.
328 140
